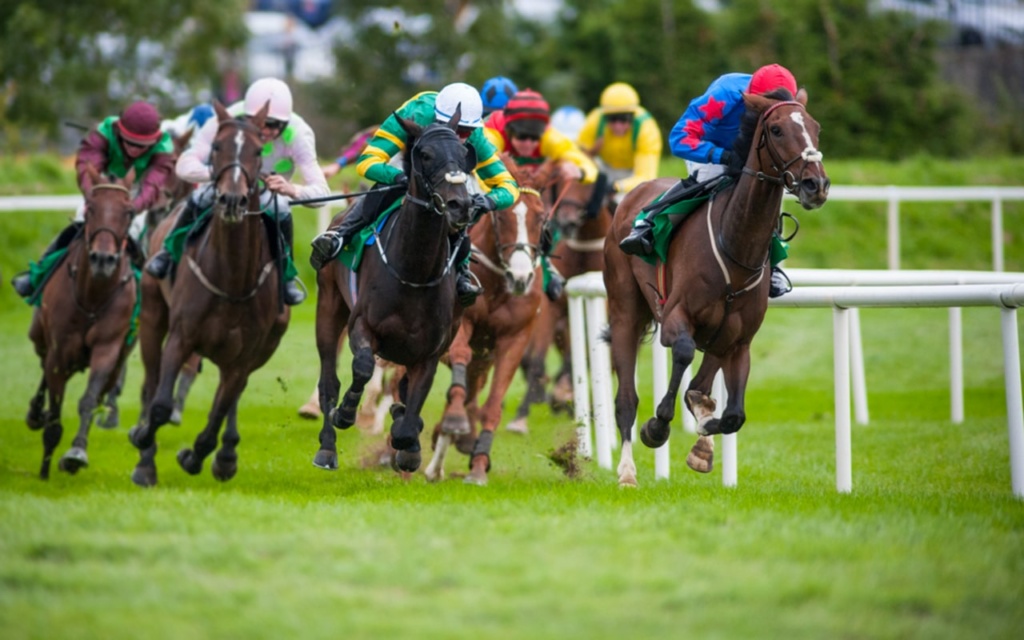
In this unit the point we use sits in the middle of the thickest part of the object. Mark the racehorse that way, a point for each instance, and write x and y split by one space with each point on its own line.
84 318
401 303
495 330
711 293
172 195
579 250
226 306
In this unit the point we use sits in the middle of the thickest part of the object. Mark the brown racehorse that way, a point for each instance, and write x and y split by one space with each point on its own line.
401 304
172 195
224 305
83 319
580 249
495 330
712 292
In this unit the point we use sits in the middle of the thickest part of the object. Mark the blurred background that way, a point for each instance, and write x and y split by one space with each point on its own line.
887 79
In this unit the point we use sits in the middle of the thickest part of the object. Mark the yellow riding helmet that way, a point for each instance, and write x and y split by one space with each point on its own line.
619 97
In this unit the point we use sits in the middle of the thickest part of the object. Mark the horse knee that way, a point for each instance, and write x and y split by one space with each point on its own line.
363 364
683 349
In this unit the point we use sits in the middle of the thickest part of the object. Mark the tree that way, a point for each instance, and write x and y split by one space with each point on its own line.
84 60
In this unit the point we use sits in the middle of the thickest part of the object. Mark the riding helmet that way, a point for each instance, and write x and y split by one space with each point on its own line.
454 95
273 91
140 123
619 97
527 112
496 93
771 77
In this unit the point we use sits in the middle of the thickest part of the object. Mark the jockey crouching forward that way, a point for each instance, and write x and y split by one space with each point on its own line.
289 144
389 140
115 146
523 130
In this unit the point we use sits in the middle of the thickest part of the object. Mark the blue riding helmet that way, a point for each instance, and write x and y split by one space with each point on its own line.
200 114
496 93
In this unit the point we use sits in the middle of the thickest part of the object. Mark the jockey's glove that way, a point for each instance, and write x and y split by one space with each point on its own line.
483 204
728 158
401 180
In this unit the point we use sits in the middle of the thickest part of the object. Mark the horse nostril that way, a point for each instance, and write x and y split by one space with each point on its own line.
809 185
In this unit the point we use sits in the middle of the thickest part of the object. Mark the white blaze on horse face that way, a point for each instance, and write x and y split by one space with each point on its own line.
455 177
239 141
520 264
809 154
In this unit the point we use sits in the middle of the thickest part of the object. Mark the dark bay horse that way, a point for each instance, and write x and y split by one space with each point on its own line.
401 304
224 305
84 318
580 249
495 330
712 292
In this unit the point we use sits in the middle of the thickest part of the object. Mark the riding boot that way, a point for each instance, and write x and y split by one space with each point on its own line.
328 244
780 284
22 282
293 293
556 282
467 287
162 261
640 241
602 187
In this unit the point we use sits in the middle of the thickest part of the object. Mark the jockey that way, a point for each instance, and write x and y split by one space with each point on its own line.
496 93
624 138
704 137
523 129
424 108
289 144
132 140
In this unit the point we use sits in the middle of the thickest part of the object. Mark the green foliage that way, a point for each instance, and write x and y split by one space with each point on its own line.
54 54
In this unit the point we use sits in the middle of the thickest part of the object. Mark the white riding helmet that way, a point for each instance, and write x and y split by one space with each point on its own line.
450 97
274 90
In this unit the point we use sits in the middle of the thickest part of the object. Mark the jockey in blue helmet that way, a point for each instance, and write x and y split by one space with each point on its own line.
496 92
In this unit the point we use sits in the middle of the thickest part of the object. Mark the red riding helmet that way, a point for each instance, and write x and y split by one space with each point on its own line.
771 77
140 123
527 112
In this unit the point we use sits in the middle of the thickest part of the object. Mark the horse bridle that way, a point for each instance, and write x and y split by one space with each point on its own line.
533 249
784 177
434 201
119 240
250 179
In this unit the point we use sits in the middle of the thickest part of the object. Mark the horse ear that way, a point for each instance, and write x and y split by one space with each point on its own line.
471 159
756 102
221 111
261 115
411 128
801 96
94 176
181 142
453 124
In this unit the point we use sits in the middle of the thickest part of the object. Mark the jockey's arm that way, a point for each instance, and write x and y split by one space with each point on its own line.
587 137
492 172
314 182
560 148
161 165
194 163
92 151
386 143
646 157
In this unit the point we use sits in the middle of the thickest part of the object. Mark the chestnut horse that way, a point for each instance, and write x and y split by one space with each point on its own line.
401 304
579 250
226 306
495 330
84 317
711 293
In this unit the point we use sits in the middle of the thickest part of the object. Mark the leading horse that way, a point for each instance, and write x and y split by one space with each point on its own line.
401 303
225 306
84 318
711 293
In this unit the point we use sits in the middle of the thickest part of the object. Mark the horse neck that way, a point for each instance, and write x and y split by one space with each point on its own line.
749 217
420 237
233 254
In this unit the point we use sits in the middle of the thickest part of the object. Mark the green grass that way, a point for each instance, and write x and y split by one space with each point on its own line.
930 544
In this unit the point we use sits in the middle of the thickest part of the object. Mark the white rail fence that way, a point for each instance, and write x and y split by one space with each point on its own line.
587 316
893 195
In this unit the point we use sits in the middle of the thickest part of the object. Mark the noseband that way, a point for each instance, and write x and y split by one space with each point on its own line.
784 176
532 249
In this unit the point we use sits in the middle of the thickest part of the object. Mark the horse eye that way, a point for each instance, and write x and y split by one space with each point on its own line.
776 130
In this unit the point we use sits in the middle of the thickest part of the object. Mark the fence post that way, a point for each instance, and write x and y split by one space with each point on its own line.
841 371
580 377
893 228
1014 405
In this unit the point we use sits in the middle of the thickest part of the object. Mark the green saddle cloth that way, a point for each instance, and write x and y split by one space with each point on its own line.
175 243
666 222
352 253
40 272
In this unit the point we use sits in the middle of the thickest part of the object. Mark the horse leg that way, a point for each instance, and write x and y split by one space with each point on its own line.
225 463
702 455
655 431
736 370
331 317
454 421
185 379
407 425
111 417
561 390
52 428
508 350
36 417
435 470
627 325
372 396
143 435
232 384
102 367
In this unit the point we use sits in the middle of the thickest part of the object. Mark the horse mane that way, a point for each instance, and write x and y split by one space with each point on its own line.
741 146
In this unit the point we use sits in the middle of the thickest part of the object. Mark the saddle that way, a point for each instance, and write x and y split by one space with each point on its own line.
673 206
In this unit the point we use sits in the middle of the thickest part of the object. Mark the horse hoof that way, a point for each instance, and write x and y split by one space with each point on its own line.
408 461
175 418
160 414
627 481
652 435
701 457
111 419
144 476
518 426
731 423
187 461
310 411
476 478
75 459
455 425
465 443
342 419
712 427
224 470
325 459
34 420
139 439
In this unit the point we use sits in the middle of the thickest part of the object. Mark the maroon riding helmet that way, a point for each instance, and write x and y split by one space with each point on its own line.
140 124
